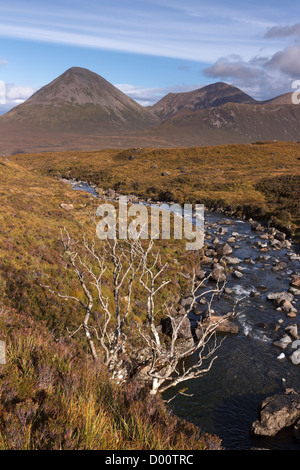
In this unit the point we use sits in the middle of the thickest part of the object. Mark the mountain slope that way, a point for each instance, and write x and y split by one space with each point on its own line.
209 96
80 99
231 123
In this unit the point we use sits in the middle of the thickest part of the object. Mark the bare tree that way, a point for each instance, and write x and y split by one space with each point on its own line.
110 278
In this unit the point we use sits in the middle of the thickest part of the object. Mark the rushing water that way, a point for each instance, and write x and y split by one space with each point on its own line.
226 400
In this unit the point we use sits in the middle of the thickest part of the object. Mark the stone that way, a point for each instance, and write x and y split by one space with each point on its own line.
292 330
295 344
283 342
237 274
286 306
295 282
280 236
294 291
280 357
225 325
223 249
256 227
280 295
200 274
231 260
228 291
186 302
277 412
67 207
185 330
218 275
295 357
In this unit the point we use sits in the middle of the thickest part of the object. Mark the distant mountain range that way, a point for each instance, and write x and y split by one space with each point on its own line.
81 110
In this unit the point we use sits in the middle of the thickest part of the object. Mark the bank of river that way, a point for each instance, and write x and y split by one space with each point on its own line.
225 401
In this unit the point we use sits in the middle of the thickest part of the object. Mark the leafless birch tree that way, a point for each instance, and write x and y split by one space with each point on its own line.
110 277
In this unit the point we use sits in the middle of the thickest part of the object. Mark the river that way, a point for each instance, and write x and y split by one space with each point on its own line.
225 401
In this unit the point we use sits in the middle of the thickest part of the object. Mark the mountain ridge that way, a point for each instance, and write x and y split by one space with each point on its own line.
81 110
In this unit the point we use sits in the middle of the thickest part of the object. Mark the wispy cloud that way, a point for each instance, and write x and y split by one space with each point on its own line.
183 30
149 96
283 31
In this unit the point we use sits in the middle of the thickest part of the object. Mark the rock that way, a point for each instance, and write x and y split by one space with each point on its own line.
294 291
295 344
256 227
197 310
185 329
200 274
218 275
292 330
276 413
186 302
165 173
231 260
280 357
223 249
225 325
67 207
280 295
295 282
280 236
132 157
237 274
296 431
231 240
295 357
291 314
279 266
283 342
254 294
228 291
285 305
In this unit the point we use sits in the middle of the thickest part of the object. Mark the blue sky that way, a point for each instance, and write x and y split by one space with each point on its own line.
150 47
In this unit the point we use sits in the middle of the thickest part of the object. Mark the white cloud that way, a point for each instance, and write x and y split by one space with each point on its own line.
287 61
149 96
18 93
14 95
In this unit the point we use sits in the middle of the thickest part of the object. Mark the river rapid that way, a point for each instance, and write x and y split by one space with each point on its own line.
225 402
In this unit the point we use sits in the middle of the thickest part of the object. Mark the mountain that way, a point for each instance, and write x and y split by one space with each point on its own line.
209 96
231 123
286 98
81 100
80 110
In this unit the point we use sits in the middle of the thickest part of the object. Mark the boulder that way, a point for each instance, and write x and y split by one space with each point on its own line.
237 274
283 342
295 282
223 249
256 227
218 275
292 330
280 296
276 413
185 326
231 260
295 357
225 325
186 302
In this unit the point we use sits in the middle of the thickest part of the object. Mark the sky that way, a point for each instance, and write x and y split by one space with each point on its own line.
148 48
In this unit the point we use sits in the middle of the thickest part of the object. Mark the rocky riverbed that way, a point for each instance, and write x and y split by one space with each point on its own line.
261 355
